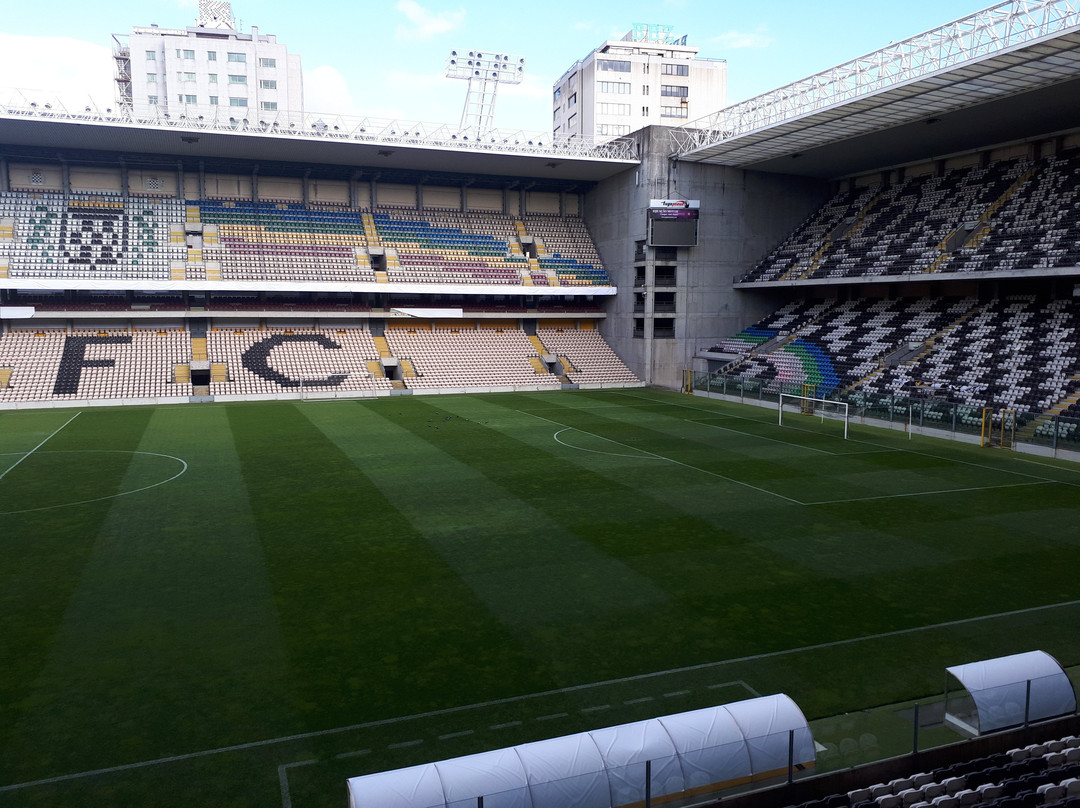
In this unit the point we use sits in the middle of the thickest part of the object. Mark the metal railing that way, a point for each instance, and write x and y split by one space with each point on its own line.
992 30
24 104
953 418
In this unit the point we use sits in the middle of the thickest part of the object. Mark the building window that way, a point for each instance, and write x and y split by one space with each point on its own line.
151 100
572 101
613 109
211 56
237 57
644 112
614 65
268 84
182 76
612 129
558 95
213 78
186 99
151 56
237 102
675 70
184 54
674 112
617 87
213 100
237 79
151 78
269 105
267 62
674 90
570 124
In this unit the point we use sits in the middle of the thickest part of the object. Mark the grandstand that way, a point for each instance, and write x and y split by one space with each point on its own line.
901 233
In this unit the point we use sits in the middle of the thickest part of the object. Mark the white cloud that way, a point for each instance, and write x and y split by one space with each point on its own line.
69 69
742 39
424 24
325 90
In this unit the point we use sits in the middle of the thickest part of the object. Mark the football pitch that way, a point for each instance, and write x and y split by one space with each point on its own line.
244 604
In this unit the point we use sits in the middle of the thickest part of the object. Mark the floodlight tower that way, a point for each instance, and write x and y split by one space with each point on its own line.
485 72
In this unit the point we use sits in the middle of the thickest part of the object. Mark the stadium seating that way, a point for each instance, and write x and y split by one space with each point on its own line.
1010 214
280 242
278 360
57 365
91 236
1046 774
108 236
468 357
591 360
1016 352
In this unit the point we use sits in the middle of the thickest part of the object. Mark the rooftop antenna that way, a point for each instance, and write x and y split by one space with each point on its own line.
485 72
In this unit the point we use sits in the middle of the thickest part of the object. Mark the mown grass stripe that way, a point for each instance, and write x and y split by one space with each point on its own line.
45 558
375 622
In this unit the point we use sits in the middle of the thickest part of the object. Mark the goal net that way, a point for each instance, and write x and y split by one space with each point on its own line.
805 410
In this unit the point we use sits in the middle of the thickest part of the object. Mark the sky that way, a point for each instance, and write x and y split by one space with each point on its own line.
388 59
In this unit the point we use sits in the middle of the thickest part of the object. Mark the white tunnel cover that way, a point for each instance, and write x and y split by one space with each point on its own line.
693 751
999 688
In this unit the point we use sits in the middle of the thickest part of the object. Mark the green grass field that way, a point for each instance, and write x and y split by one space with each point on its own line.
245 604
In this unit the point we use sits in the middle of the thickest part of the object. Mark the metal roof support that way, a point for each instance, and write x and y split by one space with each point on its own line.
1002 27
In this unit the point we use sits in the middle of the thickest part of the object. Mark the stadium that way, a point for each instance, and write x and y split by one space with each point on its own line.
370 462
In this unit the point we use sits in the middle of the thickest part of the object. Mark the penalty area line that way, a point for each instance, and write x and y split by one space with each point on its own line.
668 459
283 779
928 493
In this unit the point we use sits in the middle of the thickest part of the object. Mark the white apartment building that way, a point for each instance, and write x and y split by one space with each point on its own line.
209 70
646 78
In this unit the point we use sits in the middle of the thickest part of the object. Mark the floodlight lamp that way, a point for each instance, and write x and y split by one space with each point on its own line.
88 109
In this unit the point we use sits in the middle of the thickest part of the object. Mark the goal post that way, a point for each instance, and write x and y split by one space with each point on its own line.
820 408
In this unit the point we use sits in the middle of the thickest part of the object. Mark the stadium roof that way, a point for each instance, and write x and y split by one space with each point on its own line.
391 147
1009 72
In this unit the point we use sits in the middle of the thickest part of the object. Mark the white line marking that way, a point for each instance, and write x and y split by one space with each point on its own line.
21 459
110 496
405 744
552 716
676 462
597 451
357 753
530 696
642 700
927 493
283 778
506 725
676 693
595 709
461 734
736 683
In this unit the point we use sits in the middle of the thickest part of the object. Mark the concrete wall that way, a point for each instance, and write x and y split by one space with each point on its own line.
744 214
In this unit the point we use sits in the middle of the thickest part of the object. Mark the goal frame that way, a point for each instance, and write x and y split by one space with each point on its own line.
808 406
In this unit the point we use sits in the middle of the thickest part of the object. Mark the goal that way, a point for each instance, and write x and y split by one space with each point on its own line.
820 408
